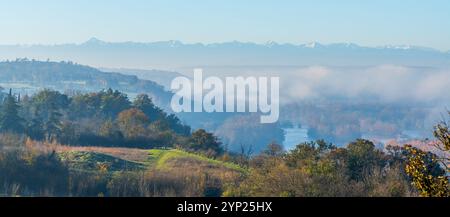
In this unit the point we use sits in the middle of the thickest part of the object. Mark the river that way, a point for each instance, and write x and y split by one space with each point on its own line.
295 136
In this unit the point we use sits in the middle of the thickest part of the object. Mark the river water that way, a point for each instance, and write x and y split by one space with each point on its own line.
295 136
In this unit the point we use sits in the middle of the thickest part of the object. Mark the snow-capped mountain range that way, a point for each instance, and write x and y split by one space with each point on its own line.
176 54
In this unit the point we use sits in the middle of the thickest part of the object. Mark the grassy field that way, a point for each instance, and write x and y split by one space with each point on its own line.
162 159
92 159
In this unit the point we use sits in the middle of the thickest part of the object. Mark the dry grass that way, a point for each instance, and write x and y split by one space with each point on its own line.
130 154
172 159
195 166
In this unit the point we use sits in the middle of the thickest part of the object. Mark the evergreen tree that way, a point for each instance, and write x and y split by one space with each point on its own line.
53 125
9 115
35 127
157 116
144 103
113 102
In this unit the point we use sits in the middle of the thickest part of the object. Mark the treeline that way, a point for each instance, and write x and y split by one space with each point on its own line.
106 118
358 169
320 169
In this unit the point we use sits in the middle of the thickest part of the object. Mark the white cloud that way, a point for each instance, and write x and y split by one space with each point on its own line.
386 82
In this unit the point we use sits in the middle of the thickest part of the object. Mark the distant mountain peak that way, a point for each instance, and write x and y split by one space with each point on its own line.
407 47
313 44
345 45
398 47
94 40
271 44
174 43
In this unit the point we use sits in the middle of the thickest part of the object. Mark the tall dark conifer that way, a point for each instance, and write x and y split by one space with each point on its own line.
9 115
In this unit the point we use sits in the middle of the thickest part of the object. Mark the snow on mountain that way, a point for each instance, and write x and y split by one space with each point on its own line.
312 45
173 54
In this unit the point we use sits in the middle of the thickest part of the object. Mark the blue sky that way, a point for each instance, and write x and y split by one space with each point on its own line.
370 23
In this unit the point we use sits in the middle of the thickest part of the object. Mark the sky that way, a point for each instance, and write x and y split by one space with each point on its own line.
365 22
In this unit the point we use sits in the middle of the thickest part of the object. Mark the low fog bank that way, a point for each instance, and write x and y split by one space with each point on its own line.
343 103
382 83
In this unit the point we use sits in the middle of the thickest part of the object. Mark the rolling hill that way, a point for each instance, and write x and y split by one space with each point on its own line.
28 76
94 159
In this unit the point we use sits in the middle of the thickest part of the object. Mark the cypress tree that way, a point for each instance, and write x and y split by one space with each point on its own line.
10 120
